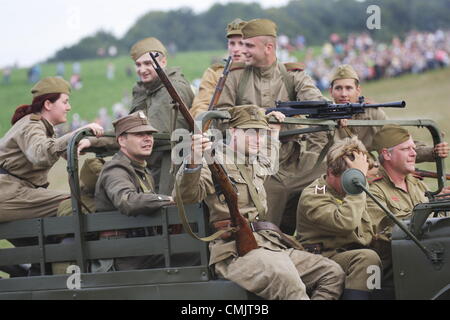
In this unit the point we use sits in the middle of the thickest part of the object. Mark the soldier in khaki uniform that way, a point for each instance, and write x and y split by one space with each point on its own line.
345 88
274 270
397 188
212 75
337 225
125 184
30 149
151 97
262 80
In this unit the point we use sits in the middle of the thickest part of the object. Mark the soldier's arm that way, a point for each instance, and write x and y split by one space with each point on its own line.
40 149
120 189
328 214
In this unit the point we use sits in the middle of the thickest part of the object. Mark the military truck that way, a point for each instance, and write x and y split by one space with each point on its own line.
421 266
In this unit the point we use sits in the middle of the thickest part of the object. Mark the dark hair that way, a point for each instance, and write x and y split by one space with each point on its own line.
34 107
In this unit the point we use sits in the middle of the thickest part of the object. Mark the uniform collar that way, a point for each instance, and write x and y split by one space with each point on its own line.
267 72
409 178
133 163
49 127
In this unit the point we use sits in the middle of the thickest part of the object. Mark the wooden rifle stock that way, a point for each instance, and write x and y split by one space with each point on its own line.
218 90
245 241
429 174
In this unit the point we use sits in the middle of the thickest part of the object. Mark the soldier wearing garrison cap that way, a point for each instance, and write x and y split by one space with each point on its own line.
345 88
212 75
397 187
30 149
274 259
261 80
151 97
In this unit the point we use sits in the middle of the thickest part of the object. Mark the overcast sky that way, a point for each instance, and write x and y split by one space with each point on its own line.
31 31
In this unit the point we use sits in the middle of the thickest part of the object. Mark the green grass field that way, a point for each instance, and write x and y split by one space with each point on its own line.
427 96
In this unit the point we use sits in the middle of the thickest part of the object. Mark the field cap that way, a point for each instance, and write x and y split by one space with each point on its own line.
147 45
135 122
259 27
50 85
344 71
89 173
248 117
234 28
390 136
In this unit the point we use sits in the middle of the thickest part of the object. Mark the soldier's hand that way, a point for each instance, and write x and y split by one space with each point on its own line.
342 123
441 150
360 162
279 117
83 144
200 145
96 129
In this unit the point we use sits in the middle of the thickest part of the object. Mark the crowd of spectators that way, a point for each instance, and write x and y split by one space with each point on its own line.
418 52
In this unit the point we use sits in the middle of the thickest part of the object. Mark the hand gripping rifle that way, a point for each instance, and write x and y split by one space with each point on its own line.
327 110
245 241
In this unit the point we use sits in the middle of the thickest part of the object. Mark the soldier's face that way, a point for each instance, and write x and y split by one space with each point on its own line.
144 67
137 145
402 158
57 111
235 47
255 52
345 91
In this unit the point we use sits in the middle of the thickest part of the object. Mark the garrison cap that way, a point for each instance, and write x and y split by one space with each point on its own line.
89 173
248 117
344 71
389 136
234 27
147 45
135 122
50 85
259 27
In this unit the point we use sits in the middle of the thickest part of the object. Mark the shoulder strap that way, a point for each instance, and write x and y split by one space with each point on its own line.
252 189
288 82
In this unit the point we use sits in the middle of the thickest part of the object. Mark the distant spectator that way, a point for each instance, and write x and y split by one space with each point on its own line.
112 51
7 75
60 69
76 68
110 71
75 82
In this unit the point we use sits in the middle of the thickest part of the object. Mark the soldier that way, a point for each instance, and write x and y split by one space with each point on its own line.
29 150
151 97
262 80
125 184
212 75
396 188
345 88
274 270
337 225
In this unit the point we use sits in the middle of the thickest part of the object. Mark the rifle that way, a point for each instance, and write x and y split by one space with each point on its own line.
429 174
327 110
218 90
245 241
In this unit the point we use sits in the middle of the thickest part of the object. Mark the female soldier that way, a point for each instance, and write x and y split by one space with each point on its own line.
29 150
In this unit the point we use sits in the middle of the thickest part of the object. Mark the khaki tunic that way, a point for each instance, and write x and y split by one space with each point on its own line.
272 271
154 99
206 90
28 151
395 199
342 226
297 158
119 188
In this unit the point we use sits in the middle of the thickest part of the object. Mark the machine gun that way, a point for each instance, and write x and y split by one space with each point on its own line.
245 241
327 110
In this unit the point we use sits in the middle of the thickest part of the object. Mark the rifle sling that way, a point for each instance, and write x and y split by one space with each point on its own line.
185 222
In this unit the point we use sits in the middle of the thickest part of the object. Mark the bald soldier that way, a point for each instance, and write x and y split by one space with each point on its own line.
262 80
151 97
345 88
275 270
212 75
337 225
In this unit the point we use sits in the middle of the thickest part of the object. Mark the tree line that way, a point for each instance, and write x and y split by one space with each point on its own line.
314 19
